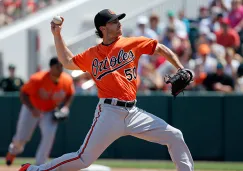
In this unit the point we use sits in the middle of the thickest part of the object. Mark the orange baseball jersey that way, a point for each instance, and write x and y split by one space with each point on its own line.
114 67
44 94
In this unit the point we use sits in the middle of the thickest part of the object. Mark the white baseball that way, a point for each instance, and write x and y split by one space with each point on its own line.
57 19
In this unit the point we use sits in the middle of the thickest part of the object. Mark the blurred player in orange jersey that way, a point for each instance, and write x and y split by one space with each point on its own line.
44 92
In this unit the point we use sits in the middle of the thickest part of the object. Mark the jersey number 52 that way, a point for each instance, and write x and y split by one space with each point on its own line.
130 73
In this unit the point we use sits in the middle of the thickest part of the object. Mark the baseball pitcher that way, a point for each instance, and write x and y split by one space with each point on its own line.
113 66
46 98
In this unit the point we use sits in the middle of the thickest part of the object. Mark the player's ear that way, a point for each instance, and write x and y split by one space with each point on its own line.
102 28
62 19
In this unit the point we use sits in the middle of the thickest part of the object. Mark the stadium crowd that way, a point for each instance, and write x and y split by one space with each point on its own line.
210 45
11 10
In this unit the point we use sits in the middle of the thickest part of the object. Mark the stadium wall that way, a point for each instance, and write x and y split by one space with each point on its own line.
211 125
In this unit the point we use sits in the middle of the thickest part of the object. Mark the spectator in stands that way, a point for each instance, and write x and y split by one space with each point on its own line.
53 2
239 81
185 58
184 52
236 20
166 68
30 6
4 18
217 50
202 39
157 60
212 22
219 81
231 63
219 3
185 20
11 10
171 40
203 13
237 56
41 4
154 24
175 23
227 36
11 83
150 80
236 15
205 59
199 77
143 29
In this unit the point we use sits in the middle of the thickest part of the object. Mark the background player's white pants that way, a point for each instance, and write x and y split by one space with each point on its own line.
25 128
110 123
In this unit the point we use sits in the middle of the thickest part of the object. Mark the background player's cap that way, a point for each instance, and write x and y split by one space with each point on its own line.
105 16
54 61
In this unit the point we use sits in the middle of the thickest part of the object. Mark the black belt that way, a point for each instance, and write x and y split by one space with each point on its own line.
121 103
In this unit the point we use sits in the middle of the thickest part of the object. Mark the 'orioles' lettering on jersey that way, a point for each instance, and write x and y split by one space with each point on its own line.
44 94
122 59
114 67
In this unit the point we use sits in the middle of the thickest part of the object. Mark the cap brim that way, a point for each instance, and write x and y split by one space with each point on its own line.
119 17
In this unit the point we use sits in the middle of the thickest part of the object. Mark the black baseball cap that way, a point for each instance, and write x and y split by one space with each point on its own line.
54 60
105 16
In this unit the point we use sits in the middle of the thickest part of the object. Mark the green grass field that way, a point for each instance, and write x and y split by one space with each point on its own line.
170 165
145 164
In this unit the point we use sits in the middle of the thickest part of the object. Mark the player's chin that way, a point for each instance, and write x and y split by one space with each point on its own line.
57 75
119 32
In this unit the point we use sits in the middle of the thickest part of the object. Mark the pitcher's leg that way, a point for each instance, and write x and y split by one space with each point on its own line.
106 128
48 130
25 128
151 128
